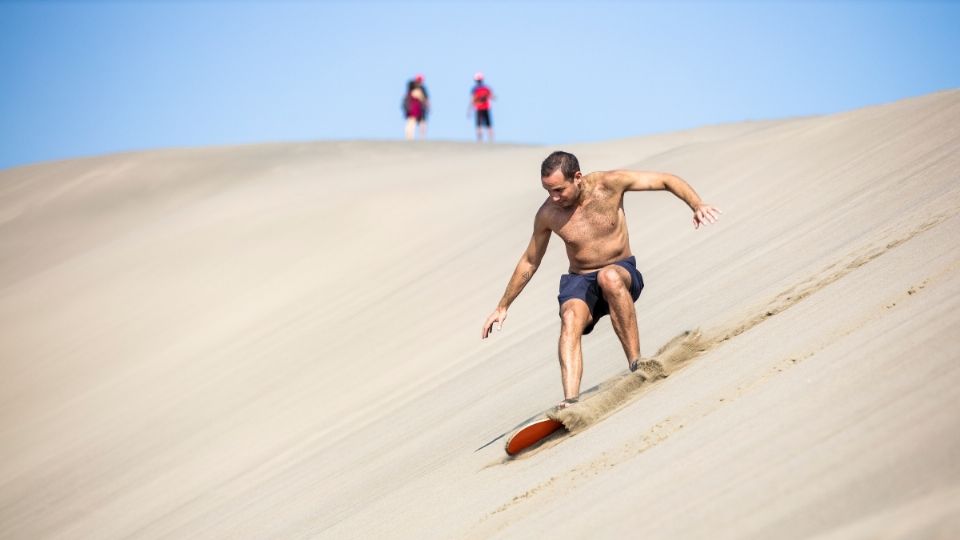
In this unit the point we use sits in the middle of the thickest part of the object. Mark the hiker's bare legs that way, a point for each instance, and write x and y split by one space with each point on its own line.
614 281
574 316
410 129
480 134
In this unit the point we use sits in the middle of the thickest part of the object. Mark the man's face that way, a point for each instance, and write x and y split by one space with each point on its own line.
563 193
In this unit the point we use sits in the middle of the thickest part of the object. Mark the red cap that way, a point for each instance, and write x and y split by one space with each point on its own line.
419 78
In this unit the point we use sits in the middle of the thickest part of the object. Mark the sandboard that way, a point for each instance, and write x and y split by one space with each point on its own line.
531 434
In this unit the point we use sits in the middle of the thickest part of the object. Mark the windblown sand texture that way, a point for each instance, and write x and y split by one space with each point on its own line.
283 341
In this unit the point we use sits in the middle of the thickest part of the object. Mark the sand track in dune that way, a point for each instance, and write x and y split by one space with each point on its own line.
604 399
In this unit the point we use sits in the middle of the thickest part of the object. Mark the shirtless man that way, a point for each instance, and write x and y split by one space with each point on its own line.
586 211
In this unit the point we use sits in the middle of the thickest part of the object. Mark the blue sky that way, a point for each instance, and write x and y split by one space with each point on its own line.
87 78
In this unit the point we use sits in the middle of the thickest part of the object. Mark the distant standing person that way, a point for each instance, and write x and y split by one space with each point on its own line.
480 98
415 110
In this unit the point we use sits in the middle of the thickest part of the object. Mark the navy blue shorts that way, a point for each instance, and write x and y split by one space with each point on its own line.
483 118
586 288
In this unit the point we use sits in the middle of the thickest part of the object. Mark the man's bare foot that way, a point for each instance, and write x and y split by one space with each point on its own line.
650 370
566 403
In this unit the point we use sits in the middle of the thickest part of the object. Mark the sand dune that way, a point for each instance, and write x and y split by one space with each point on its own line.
283 341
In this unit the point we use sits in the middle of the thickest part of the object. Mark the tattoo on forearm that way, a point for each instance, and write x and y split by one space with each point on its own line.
526 276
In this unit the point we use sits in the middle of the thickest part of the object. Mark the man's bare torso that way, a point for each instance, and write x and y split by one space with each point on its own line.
593 230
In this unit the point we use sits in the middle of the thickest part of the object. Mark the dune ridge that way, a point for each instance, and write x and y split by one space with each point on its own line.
282 340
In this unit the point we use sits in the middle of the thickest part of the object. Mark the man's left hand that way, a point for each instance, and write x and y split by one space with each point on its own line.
705 214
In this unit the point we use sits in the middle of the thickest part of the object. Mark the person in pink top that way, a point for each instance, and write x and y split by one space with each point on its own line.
415 108
480 98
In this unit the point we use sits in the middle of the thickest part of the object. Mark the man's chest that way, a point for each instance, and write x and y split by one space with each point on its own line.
595 220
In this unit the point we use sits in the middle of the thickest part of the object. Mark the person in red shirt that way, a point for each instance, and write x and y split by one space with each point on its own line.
480 99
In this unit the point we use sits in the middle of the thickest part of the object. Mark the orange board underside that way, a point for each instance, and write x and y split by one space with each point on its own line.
531 434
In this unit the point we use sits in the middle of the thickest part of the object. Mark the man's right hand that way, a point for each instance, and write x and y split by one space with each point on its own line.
498 316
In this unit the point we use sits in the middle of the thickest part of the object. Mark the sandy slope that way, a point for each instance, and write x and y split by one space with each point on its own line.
283 341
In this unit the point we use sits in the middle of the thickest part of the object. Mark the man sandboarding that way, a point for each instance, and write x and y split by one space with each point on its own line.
586 212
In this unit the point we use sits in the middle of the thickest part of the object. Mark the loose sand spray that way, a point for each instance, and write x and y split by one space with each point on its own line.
619 390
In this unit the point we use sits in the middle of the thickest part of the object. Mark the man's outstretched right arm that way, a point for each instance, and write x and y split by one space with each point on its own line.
529 262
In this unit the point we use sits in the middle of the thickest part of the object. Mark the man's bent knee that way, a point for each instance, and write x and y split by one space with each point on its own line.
570 317
610 279
574 317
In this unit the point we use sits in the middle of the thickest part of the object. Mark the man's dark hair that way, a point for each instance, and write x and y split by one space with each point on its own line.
565 161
